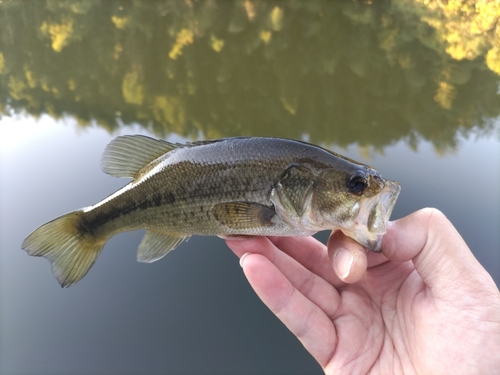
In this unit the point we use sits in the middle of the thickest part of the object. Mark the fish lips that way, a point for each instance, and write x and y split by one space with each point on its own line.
379 214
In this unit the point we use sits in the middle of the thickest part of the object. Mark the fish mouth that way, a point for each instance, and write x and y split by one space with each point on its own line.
380 211
373 215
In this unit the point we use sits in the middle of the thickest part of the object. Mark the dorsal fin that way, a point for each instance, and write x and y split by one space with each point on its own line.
205 142
126 155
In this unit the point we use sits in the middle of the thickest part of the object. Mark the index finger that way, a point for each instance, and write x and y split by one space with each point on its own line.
308 283
311 253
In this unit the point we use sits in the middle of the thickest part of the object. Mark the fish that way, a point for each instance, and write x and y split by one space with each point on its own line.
229 187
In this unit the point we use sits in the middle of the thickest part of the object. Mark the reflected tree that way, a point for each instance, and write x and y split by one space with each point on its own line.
331 72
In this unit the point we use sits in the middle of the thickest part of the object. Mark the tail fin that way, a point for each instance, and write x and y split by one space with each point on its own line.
70 248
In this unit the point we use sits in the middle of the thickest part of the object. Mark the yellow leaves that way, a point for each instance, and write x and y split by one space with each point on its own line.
216 44
71 84
493 60
168 110
117 51
184 37
487 13
2 64
30 77
250 9
467 28
45 87
51 110
446 91
59 33
445 95
290 106
120 22
276 17
18 91
265 36
17 88
132 88
460 50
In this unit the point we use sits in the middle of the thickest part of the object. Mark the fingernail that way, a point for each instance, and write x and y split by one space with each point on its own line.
343 262
242 258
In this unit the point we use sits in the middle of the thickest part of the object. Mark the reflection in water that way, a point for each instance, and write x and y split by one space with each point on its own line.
334 72
371 75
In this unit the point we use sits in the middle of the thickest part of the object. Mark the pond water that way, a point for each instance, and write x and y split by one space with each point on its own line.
382 84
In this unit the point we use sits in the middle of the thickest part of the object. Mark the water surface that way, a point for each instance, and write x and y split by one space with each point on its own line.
378 83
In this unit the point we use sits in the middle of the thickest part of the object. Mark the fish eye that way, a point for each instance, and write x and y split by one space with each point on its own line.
357 184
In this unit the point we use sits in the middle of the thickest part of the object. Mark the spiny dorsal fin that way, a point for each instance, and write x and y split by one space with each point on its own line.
243 215
126 155
205 142
155 245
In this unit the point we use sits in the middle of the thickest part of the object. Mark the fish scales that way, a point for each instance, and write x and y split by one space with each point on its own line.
194 177
232 186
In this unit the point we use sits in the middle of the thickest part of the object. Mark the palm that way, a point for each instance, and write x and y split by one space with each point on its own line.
369 321
388 322
375 322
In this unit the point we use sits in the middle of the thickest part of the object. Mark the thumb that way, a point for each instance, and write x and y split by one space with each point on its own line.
347 256
439 254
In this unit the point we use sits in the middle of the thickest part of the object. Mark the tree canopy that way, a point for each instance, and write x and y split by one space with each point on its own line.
329 71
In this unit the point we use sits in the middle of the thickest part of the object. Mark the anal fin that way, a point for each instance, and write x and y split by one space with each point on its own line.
155 245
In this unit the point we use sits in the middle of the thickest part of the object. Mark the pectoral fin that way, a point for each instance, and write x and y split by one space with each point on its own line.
155 245
294 187
243 215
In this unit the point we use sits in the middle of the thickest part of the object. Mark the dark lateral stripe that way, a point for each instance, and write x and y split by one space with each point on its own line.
93 220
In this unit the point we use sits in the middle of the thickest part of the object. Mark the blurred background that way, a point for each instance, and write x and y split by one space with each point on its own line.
410 87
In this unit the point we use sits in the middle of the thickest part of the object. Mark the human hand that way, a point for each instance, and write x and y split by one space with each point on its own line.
424 306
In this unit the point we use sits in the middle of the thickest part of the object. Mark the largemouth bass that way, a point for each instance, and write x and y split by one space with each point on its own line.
224 187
